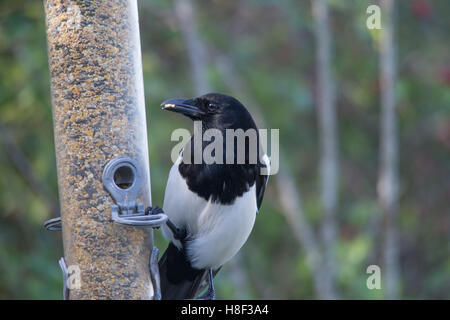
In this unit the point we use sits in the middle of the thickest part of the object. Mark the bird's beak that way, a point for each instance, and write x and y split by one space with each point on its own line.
183 106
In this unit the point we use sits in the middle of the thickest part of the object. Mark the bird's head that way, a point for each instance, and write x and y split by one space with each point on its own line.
215 110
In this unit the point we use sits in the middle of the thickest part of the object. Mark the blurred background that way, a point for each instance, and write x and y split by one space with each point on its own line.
365 165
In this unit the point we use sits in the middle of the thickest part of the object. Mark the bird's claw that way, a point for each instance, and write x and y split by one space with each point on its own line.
153 210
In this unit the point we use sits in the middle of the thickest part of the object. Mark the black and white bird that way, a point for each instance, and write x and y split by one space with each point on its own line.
211 207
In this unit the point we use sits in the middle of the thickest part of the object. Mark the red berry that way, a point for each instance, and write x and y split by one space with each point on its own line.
421 8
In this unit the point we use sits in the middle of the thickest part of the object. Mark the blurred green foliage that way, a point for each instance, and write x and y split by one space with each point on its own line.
272 46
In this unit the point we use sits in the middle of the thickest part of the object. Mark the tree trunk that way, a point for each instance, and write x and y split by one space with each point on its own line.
388 174
289 195
184 11
328 138
99 114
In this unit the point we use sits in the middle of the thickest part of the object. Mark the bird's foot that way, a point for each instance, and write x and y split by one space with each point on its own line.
210 294
153 210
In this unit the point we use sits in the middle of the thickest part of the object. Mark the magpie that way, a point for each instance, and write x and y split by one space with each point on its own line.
211 207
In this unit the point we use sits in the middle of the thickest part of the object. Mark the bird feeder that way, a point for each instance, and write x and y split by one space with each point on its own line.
99 115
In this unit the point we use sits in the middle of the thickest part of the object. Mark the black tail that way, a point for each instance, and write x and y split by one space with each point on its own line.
178 279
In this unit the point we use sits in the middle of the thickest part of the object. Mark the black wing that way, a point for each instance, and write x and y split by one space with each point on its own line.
261 180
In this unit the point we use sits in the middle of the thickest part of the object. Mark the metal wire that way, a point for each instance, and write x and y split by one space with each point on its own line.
139 220
53 224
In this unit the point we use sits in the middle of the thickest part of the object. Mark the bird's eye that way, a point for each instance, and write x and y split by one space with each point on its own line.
212 106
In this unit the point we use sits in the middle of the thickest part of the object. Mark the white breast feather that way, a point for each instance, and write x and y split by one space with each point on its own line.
218 231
